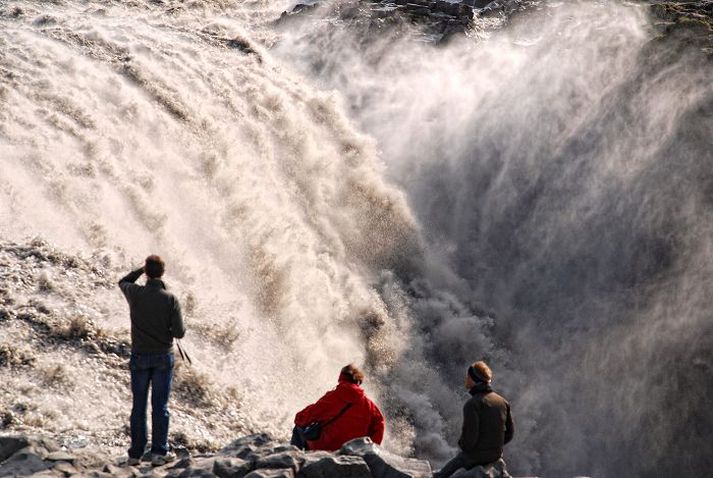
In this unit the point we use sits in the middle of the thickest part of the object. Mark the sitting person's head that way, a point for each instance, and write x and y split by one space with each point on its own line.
352 374
154 267
478 372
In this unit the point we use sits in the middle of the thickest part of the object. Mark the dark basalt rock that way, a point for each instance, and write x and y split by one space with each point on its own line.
24 456
688 23
330 466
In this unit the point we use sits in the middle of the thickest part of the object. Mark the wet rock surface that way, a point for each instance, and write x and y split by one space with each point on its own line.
688 23
261 458
433 21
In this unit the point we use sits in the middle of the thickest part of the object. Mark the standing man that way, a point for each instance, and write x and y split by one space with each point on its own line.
487 424
155 321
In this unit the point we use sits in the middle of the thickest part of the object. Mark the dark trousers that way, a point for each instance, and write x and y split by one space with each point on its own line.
154 370
461 460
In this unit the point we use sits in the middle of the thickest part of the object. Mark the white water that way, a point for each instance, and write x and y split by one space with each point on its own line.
562 167
532 182
129 131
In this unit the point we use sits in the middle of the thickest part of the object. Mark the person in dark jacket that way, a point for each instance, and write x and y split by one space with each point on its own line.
155 321
344 413
487 424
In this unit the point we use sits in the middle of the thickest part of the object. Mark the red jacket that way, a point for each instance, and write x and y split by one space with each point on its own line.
362 419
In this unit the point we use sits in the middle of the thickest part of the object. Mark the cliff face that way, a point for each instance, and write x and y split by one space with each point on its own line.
690 23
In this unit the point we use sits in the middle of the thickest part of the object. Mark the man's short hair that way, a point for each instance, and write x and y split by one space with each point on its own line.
154 267
482 371
352 373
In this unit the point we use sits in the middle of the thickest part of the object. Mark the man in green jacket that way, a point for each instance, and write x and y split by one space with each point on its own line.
487 424
155 321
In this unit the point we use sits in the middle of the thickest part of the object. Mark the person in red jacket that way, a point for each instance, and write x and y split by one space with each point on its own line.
344 413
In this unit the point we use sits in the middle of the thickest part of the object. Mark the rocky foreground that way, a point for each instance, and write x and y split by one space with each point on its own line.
254 456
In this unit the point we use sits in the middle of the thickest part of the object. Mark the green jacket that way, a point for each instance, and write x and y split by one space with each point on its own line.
155 314
487 425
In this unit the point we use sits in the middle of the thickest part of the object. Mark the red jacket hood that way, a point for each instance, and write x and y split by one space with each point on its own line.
349 390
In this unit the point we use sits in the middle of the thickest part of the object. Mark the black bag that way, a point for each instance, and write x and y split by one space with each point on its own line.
313 431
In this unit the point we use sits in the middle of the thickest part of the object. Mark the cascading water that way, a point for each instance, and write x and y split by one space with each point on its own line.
562 167
555 218
130 129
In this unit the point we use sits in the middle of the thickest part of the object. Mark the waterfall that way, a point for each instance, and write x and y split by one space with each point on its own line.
536 193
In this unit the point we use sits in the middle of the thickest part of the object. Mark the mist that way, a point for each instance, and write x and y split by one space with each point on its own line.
559 165
536 193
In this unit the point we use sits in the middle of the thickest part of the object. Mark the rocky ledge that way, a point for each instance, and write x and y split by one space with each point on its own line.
254 456
437 20
688 23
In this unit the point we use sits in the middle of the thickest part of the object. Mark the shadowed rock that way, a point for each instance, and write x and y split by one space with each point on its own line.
384 464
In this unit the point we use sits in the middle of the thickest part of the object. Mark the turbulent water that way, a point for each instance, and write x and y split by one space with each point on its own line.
538 194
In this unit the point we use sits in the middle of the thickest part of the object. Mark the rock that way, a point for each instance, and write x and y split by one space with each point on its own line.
384 464
465 11
416 9
292 459
479 3
183 463
198 470
246 447
267 473
231 468
61 456
24 463
493 470
9 445
65 468
333 466
115 471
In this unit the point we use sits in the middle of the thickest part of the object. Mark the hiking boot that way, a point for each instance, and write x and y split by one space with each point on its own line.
133 462
160 460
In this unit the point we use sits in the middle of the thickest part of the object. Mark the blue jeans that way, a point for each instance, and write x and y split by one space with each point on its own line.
155 369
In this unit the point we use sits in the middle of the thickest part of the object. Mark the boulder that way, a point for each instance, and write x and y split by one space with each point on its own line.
197 470
291 459
61 456
268 473
477 3
250 448
231 468
493 470
24 463
10 445
65 468
384 464
416 9
258 439
331 466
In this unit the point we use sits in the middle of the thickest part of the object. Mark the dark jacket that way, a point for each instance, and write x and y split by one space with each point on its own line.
155 314
487 425
362 419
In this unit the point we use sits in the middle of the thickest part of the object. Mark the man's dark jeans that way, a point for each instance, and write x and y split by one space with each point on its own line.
461 460
156 370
